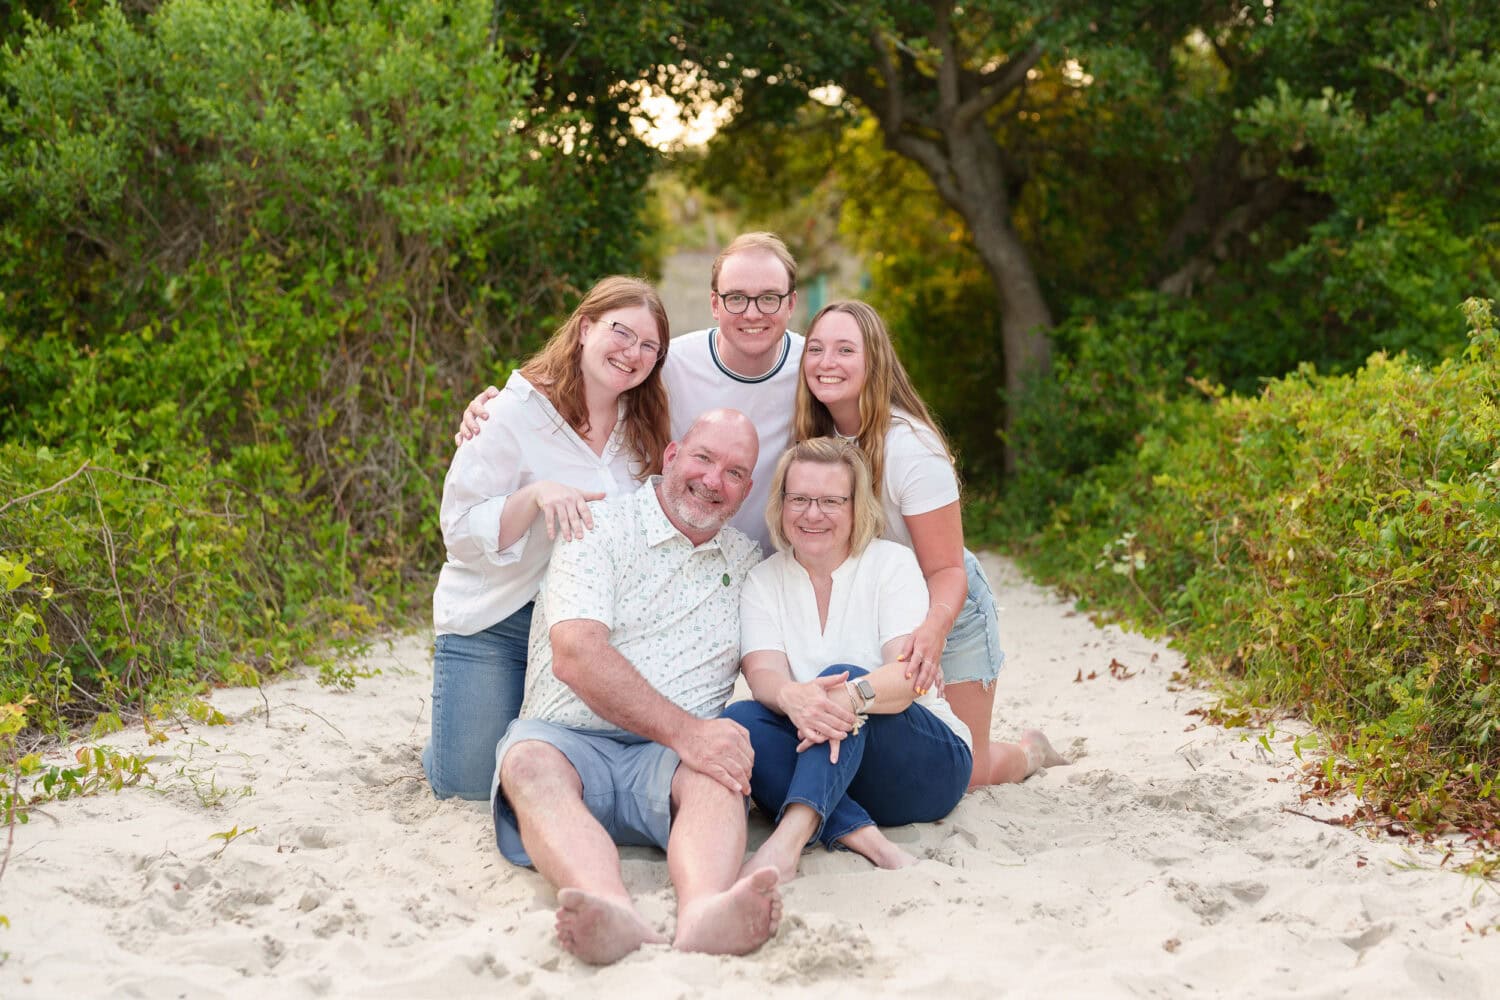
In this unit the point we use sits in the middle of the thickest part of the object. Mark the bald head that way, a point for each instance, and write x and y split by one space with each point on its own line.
706 475
730 430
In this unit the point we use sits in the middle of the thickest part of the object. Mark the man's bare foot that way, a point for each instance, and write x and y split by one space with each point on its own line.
734 922
870 842
1039 752
598 930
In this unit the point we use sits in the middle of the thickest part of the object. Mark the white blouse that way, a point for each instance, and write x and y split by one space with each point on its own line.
877 596
525 440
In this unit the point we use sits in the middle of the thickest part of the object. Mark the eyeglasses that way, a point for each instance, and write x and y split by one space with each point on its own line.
766 302
628 338
797 503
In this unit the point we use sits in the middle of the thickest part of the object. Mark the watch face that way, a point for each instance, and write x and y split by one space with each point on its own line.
866 689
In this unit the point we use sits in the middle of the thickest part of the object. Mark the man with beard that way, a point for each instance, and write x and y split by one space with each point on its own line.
619 740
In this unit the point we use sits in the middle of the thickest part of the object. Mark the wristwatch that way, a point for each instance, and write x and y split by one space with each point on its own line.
866 693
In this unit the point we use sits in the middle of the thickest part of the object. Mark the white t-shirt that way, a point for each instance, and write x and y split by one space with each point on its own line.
669 607
697 380
525 440
918 476
877 596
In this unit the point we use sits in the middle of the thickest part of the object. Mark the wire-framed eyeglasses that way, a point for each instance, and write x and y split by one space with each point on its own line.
628 338
799 502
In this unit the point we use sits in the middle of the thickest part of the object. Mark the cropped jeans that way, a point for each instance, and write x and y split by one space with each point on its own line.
477 684
904 768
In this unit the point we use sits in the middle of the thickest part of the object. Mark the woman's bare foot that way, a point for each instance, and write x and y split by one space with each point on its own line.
1039 752
783 848
734 922
870 842
598 930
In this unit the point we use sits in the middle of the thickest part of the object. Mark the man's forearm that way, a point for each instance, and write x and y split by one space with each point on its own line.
615 691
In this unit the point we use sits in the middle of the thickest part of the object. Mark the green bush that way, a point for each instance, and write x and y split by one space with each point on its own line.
118 589
253 256
1330 546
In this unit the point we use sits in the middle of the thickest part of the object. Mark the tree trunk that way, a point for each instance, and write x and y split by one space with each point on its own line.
971 179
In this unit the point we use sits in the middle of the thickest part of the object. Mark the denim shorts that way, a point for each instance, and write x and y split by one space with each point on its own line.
627 784
973 652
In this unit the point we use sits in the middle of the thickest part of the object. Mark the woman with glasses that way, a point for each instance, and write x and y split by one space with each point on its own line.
854 387
584 418
842 742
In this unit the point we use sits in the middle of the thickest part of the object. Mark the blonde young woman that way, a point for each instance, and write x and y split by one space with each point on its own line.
584 418
854 387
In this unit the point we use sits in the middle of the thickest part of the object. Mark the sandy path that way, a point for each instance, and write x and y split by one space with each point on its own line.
1161 864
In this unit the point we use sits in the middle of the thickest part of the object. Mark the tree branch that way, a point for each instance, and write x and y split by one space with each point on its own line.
1265 199
1003 81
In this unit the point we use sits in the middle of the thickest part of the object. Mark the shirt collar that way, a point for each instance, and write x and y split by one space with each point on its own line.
713 351
546 417
654 519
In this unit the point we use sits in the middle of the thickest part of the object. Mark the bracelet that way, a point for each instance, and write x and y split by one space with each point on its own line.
946 605
857 703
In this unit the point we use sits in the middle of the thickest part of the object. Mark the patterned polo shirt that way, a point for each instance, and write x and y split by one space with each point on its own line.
672 608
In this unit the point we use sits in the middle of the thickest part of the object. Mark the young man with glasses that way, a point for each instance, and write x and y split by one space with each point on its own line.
749 361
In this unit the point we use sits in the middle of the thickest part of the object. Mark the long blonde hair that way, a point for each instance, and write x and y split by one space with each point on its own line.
556 370
867 517
887 386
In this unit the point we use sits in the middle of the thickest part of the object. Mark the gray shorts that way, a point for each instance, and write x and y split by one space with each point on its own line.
973 652
627 784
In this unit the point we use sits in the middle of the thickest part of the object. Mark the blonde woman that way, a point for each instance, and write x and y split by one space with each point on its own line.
854 387
842 742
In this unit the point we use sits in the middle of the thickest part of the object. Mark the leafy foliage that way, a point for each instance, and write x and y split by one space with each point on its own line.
1331 546
1303 183
250 255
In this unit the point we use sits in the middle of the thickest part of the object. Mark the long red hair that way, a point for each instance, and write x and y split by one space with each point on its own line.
556 370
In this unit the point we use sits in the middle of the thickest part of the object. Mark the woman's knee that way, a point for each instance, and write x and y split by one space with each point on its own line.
843 668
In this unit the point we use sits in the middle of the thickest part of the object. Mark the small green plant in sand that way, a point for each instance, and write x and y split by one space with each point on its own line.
201 775
229 836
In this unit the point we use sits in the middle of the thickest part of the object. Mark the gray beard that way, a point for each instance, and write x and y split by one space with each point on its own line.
682 506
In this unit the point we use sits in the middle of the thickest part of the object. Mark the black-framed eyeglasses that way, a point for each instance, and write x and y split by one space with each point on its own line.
799 502
766 302
628 338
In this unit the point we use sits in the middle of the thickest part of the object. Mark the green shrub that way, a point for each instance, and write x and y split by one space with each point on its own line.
1330 546
118 589
253 257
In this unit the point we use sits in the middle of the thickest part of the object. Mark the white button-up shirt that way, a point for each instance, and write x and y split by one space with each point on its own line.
672 608
525 440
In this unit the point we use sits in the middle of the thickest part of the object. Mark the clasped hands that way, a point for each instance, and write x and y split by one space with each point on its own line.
822 711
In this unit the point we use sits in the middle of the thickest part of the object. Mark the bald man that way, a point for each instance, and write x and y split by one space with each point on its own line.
620 740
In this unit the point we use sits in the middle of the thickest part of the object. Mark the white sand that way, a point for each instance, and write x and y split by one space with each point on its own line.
1160 864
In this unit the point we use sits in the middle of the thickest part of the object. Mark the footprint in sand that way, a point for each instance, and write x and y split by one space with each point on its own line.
318 837
1368 939
806 954
1212 902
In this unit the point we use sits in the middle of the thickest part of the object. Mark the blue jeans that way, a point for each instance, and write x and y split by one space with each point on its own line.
906 768
477 684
